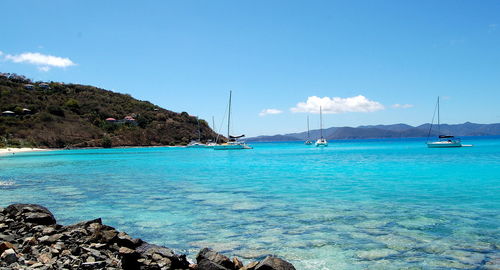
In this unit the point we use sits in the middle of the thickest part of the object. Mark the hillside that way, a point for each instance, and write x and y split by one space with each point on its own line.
386 131
71 115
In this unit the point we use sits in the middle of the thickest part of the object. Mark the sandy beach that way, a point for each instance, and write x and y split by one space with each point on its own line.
12 151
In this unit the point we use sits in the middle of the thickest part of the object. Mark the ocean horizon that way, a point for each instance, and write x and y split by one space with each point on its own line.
356 204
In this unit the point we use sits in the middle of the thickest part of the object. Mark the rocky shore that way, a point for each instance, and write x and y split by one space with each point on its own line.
30 238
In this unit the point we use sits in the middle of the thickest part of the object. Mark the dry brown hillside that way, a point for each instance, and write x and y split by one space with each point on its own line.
71 115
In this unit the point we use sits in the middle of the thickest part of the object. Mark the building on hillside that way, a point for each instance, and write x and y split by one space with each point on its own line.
26 111
44 85
8 113
28 86
129 119
110 120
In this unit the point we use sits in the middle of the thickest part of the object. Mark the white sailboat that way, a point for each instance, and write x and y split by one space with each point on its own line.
308 141
443 141
212 143
197 143
232 143
321 142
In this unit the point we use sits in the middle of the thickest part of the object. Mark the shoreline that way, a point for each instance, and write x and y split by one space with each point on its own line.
12 150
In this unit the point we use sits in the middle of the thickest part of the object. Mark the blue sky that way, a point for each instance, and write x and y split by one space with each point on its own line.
187 55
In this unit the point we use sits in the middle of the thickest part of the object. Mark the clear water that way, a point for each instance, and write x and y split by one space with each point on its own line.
379 204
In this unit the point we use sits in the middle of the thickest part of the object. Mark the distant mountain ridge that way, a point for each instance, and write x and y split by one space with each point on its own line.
386 131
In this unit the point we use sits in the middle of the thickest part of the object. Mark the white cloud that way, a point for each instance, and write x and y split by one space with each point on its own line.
38 59
402 106
1 53
269 111
338 105
44 68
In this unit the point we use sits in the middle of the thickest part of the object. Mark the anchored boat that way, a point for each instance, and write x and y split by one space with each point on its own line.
308 141
233 143
321 142
443 141
197 143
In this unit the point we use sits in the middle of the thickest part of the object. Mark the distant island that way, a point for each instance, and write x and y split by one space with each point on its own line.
386 131
60 115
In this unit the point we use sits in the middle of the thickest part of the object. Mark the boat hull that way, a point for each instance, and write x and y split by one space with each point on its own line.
197 146
232 147
321 143
443 144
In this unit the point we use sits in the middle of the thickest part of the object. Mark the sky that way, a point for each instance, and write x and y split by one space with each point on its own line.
364 62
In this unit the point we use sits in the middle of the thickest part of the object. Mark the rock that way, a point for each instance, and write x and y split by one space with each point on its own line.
45 258
205 264
125 240
7 238
31 213
48 230
108 236
237 263
274 263
251 266
177 261
93 265
215 257
9 256
29 241
129 258
6 245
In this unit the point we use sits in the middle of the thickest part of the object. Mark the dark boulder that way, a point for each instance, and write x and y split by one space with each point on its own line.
215 257
274 263
148 251
205 264
31 213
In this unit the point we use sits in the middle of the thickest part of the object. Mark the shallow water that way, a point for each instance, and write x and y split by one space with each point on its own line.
377 204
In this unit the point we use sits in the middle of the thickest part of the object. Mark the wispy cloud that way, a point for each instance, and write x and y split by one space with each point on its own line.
402 106
269 111
338 105
42 61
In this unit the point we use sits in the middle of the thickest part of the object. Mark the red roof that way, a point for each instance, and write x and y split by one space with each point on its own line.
110 119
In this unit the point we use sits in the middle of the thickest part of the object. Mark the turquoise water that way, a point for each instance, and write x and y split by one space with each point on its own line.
376 204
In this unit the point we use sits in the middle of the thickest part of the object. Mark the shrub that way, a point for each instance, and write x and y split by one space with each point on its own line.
106 141
55 110
72 104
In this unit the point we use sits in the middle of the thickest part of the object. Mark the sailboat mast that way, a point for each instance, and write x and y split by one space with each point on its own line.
199 129
321 121
229 115
439 122
308 127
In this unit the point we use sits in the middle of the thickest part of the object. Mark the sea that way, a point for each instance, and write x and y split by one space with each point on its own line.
356 204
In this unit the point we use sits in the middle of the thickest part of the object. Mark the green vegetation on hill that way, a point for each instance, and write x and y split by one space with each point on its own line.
72 115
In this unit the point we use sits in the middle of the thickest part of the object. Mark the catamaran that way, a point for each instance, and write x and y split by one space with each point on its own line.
321 142
443 140
308 141
232 143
